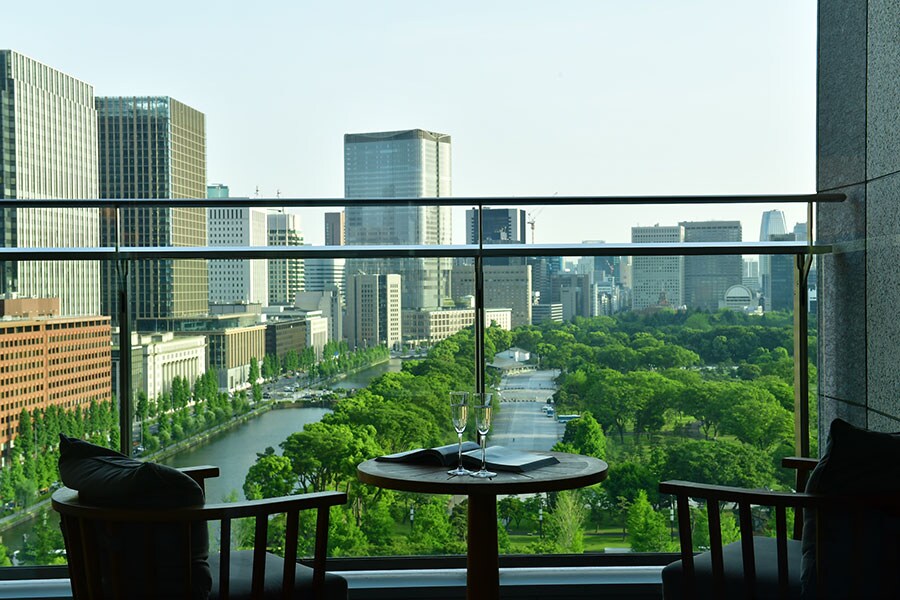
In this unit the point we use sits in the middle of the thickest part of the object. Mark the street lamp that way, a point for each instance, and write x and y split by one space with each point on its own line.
672 521
541 521
412 517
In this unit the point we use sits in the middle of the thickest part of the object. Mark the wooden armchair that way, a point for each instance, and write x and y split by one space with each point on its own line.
850 551
119 552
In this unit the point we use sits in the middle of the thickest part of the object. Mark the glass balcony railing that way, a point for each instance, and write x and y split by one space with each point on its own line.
659 356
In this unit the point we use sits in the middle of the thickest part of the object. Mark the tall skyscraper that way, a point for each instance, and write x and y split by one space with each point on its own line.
373 310
498 226
657 277
154 147
400 164
286 275
772 224
334 228
778 290
48 149
707 278
242 281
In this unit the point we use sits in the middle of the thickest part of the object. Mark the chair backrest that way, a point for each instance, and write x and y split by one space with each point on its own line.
155 553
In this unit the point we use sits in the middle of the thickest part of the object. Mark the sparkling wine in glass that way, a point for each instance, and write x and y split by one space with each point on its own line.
459 413
483 404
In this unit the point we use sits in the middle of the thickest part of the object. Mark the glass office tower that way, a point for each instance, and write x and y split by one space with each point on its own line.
48 149
400 164
154 147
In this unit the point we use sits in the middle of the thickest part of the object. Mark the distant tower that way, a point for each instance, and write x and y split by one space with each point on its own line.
334 229
400 164
499 226
286 275
772 225
48 149
131 130
655 274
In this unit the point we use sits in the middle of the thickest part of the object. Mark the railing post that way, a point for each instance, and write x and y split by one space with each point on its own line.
801 355
126 410
479 305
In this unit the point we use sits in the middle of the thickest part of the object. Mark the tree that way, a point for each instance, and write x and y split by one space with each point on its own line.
253 376
269 477
4 557
584 436
647 530
722 462
565 524
700 527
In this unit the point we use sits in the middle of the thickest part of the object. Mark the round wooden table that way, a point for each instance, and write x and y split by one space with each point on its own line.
482 559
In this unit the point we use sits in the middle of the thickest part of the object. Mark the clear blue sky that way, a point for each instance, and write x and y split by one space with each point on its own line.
589 97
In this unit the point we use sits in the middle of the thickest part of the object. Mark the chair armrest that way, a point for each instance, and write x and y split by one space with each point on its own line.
801 463
200 474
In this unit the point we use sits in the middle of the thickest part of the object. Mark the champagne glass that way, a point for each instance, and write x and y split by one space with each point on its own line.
459 413
483 403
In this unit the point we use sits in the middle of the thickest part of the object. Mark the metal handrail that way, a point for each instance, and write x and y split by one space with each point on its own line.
411 251
431 201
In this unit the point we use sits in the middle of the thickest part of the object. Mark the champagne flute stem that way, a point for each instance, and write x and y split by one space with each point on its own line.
459 456
483 444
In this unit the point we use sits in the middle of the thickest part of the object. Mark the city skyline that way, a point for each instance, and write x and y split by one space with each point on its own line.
627 100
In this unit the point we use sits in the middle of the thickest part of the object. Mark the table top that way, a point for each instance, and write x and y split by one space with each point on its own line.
573 471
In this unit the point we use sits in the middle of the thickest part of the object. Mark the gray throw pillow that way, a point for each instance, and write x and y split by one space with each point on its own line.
104 477
853 549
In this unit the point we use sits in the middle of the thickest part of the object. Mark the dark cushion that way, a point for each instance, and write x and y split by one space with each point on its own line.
857 554
765 553
242 569
104 477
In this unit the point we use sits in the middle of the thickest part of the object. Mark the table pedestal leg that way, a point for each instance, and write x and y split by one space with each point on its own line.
482 562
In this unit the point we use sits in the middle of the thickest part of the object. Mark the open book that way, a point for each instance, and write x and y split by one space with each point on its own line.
497 458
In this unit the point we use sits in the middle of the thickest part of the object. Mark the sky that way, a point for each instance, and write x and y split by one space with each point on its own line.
593 97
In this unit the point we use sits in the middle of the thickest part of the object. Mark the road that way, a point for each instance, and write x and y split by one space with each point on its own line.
520 422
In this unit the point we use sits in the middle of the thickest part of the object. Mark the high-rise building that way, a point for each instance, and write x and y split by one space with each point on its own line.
400 164
504 287
498 226
243 281
656 278
321 274
772 223
373 310
778 290
334 229
154 147
285 274
48 149
750 278
707 278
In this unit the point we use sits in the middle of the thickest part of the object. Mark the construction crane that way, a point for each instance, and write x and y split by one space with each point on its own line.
530 217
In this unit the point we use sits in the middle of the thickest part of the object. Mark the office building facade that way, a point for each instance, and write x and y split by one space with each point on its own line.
286 275
48 149
657 277
238 280
498 226
154 147
334 229
707 278
373 310
66 364
400 164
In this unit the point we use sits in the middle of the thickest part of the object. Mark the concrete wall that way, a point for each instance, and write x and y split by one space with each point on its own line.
858 152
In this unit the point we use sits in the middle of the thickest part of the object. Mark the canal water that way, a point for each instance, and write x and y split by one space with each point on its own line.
363 378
